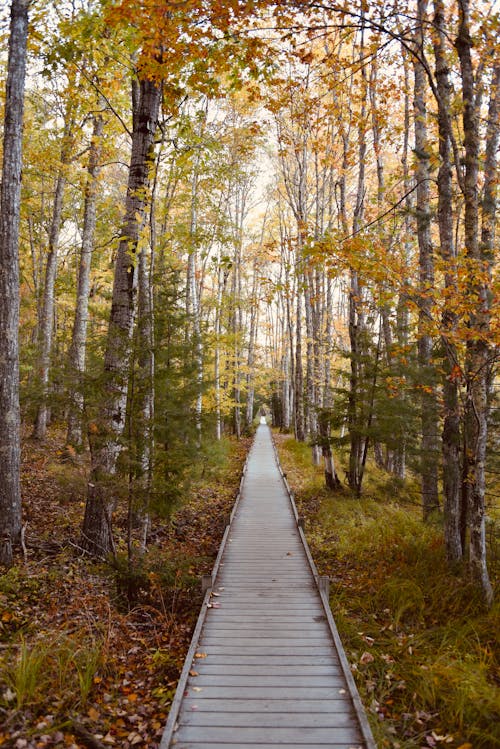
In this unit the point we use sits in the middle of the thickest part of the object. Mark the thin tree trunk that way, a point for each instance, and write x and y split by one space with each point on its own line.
300 432
97 536
144 397
451 441
355 301
402 311
254 321
479 254
193 302
77 350
47 320
218 330
10 206
429 410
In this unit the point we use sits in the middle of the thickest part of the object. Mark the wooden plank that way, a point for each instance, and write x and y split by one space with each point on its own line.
233 745
288 692
297 659
264 706
262 669
283 651
290 719
268 736
288 642
320 681
262 629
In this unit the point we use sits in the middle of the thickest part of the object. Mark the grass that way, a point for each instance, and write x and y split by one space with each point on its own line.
422 648
64 665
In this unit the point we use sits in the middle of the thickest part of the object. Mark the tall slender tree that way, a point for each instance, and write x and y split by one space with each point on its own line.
10 199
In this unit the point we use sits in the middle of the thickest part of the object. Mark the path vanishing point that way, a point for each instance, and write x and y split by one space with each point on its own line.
266 667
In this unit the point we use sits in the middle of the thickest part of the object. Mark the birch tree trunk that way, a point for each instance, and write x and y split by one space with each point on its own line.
144 398
479 255
428 403
79 337
355 300
47 319
105 435
193 302
254 321
10 205
454 511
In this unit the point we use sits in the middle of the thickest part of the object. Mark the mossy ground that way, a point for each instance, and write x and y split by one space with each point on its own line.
422 648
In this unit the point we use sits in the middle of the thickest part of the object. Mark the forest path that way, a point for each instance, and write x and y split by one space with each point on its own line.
266 667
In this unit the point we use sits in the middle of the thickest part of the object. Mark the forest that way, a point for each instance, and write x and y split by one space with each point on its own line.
213 211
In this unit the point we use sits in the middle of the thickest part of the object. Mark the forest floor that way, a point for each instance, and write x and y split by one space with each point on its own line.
423 650
79 665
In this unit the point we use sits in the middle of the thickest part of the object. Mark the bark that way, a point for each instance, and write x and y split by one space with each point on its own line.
48 306
79 337
105 434
429 410
402 311
193 302
299 420
254 321
453 510
10 206
479 255
217 377
144 398
355 301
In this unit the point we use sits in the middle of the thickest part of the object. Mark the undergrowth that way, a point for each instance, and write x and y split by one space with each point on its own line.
423 650
79 666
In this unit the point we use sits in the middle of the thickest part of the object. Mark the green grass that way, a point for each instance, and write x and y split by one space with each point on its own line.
64 665
423 650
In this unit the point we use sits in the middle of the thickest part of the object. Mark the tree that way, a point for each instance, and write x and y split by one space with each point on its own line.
10 452
105 433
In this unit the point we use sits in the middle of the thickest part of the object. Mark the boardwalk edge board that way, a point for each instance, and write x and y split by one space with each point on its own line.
207 588
323 586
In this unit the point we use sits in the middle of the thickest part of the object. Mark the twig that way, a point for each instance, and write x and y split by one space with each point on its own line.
23 542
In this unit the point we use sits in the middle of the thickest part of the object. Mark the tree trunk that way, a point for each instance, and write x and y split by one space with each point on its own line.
254 320
428 404
105 434
144 397
10 205
479 255
47 319
300 432
79 338
355 299
453 510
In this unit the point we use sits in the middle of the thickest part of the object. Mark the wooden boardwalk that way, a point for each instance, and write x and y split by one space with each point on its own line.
266 667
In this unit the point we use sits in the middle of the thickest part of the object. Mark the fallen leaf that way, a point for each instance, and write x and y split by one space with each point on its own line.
366 658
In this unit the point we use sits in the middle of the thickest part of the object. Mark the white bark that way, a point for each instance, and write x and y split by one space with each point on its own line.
10 205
